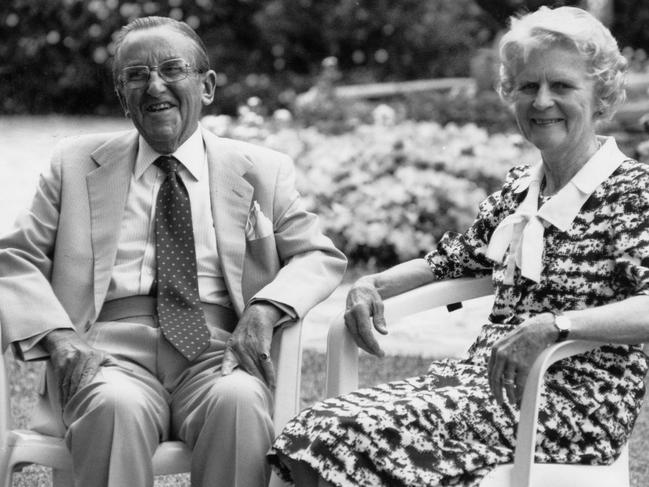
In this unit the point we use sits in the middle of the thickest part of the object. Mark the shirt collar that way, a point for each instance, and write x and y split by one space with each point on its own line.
191 154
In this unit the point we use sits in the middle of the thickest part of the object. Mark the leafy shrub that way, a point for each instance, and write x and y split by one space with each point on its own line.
484 109
388 193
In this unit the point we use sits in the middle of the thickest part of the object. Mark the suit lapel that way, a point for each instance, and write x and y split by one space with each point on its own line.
107 191
231 198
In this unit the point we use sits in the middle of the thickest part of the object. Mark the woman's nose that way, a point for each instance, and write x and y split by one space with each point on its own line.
543 98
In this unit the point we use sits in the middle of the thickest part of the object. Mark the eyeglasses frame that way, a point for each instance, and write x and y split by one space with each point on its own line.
188 69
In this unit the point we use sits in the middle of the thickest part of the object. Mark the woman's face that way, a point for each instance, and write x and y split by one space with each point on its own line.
555 102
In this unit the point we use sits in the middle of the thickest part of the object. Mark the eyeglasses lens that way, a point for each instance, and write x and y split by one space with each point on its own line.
170 71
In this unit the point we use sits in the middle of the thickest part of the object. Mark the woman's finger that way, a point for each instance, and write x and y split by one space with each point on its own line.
509 382
357 320
494 374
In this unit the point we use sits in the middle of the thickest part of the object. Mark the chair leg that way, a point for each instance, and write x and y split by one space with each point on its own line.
62 478
7 476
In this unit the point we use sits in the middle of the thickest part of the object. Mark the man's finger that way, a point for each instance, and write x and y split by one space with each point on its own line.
76 374
90 370
64 386
230 362
267 369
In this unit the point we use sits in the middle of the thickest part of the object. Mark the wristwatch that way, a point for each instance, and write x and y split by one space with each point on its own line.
563 325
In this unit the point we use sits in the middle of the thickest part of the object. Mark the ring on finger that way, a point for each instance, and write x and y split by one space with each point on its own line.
508 381
264 357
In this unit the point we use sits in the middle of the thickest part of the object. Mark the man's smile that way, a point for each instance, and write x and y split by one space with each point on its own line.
158 107
546 121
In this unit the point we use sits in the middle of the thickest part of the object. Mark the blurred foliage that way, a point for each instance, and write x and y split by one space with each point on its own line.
630 24
387 191
55 55
501 10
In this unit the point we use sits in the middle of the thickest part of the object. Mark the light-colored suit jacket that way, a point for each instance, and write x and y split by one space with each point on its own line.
56 264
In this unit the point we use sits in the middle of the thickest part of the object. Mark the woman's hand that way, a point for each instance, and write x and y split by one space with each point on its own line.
512 356
364 311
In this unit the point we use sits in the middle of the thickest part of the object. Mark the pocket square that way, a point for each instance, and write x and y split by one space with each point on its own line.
258 225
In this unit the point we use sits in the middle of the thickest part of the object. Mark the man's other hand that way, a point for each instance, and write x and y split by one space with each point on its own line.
75 362
249 345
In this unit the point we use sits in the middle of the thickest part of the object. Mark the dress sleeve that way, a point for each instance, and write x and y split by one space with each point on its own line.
631 240
463 254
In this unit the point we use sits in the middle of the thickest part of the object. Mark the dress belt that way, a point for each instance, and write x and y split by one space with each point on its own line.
133 307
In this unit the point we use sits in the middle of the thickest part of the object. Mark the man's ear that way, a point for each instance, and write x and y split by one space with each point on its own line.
122 102
209 87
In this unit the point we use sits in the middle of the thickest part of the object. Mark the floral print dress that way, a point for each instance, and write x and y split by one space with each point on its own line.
444 427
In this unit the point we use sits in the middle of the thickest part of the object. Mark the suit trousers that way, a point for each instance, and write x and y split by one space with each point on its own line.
152 394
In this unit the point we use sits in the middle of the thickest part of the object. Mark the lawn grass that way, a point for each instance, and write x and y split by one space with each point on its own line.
24 379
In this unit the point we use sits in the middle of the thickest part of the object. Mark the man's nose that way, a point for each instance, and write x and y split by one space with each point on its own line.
155 84
543 98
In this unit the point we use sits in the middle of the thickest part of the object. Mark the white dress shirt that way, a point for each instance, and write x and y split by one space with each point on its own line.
135 262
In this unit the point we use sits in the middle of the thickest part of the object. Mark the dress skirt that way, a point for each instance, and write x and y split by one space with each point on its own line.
445 428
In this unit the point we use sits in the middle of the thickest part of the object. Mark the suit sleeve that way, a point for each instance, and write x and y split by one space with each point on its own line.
28 306
312 266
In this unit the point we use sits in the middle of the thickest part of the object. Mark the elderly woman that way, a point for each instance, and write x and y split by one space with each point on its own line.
567 243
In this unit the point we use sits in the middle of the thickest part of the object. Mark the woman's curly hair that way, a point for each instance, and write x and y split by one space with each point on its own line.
574 28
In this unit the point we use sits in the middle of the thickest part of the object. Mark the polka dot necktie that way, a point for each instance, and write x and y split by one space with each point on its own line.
179 309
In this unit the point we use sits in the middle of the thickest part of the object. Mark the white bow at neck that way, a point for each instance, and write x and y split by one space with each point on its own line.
522 231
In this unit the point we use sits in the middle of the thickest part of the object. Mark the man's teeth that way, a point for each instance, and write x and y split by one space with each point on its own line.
547 122
158 107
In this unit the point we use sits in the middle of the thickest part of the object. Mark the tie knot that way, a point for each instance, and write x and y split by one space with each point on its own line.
168 164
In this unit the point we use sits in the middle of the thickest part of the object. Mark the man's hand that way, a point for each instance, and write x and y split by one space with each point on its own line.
512 356
364 310
75 363
249 345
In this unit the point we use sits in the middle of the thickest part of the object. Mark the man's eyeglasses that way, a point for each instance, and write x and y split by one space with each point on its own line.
171 71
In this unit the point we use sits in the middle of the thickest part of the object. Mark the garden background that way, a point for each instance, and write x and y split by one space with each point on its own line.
387 107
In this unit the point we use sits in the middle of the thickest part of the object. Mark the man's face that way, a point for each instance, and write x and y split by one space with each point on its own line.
166 114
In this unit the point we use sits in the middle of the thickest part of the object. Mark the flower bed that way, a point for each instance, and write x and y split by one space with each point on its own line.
387 193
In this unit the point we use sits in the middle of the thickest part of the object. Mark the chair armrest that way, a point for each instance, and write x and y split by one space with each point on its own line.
527 426
342 352
286 352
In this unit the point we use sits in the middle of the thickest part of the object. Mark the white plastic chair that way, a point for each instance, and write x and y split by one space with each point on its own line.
342 377
21 447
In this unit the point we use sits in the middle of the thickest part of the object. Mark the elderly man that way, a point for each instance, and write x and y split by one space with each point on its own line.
150 272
